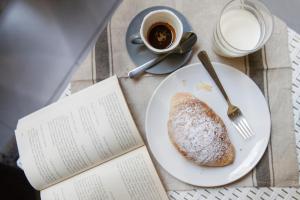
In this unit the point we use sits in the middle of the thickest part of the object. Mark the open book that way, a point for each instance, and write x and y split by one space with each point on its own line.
87 146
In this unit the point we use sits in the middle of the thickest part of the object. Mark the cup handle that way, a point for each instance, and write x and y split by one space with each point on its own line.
136 39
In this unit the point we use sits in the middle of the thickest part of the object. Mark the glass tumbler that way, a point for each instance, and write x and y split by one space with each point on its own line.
244 26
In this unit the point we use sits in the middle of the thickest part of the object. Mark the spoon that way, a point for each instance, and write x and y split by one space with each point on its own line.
186 43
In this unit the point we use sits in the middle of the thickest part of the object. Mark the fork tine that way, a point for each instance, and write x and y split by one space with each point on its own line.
247 126
239 130
241 123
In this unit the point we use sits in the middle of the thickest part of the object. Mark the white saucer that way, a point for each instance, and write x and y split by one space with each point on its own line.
242 91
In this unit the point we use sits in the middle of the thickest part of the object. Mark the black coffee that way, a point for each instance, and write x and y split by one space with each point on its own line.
161 35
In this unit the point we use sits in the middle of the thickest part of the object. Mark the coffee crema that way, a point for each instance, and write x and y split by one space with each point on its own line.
161 35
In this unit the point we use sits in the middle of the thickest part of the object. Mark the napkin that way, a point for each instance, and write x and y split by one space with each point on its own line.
269 67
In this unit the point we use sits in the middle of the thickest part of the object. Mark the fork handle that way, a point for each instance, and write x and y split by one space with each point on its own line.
203 57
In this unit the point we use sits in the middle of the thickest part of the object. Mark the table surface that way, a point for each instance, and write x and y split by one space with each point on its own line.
287 10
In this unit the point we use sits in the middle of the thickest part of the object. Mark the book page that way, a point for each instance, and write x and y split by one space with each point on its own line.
131 176
76 133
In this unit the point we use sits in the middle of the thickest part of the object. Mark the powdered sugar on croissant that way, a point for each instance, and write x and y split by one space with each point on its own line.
198 132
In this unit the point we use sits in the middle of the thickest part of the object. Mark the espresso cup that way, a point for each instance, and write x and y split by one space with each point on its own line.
160 31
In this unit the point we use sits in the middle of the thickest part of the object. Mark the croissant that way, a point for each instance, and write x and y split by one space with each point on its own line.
198 133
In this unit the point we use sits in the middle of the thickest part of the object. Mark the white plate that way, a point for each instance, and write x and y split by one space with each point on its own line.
242 91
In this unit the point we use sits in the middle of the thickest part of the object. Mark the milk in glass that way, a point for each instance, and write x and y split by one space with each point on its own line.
241 29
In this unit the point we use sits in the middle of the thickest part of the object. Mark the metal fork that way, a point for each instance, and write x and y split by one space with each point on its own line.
233 112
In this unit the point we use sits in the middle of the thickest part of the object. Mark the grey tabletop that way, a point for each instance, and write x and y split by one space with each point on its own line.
42 43
287 10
